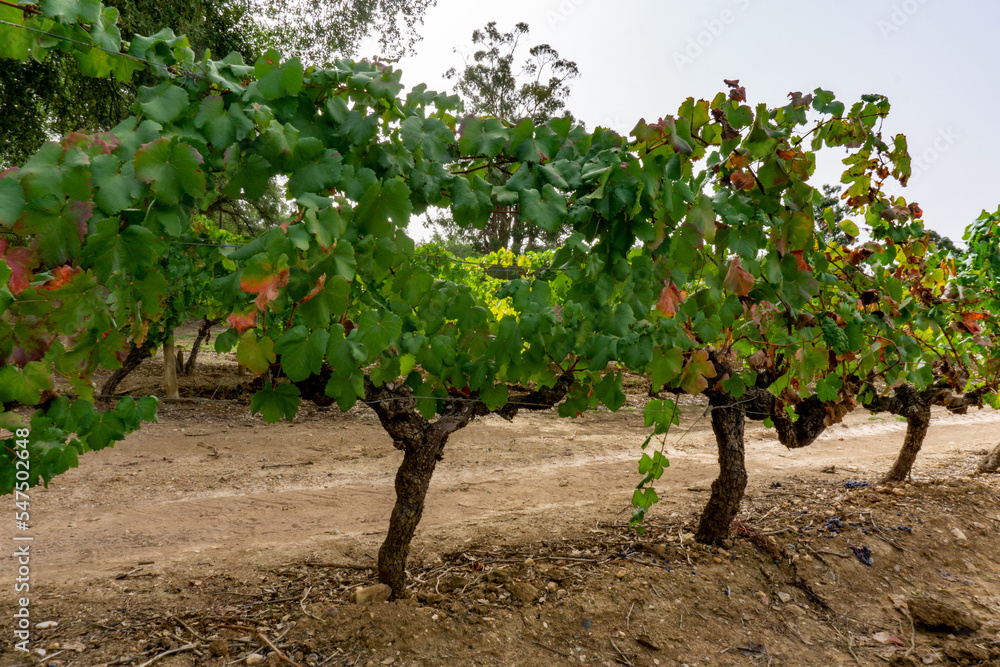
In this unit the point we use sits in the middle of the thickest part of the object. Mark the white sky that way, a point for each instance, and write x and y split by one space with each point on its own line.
936 60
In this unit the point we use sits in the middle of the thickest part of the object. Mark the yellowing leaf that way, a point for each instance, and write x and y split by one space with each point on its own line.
696 373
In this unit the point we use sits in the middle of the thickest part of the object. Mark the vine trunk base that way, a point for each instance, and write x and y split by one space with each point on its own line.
728 421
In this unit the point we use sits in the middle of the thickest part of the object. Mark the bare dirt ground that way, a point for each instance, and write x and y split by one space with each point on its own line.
212 538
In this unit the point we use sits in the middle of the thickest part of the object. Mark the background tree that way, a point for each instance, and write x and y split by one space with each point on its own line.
320 31
497 83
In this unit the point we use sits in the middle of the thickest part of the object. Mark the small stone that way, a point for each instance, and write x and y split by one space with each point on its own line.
552 586
658 549
376 593
784 597
529 562
430 597
621 573
523 592
45 625
219 648
763 599
255 659
937 616
716 560
807 558
561 593
959 535
898 492
454 583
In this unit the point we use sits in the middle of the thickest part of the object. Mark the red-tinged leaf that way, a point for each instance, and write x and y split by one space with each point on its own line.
742 180
670 299
801 262
76 139
106 141
20 261
738 279
315 290
787 154
264 277
242 321
61 275
971 321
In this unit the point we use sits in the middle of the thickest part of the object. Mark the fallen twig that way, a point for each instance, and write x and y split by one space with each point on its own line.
549 648
180 649
277 650
624 657
189 629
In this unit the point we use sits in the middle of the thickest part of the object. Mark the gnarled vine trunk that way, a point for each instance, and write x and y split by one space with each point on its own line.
991 462
918 419
422 443
906 401
728 420
413 478
135 357
203 334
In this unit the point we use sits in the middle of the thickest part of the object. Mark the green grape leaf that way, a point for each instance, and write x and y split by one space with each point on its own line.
301 352
546 209
482 137
665 367
172 169
661 414
273 403
164 103
257 354
317 175
276 79
24 386
11 199
471 204
381 203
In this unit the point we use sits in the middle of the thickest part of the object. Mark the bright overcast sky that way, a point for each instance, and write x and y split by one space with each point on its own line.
935 60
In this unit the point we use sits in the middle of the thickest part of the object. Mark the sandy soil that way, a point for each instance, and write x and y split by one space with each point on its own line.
214 525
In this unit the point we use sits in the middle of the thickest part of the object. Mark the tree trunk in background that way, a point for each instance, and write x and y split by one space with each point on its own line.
412 480
991 463
136 355
170 368
918 419
727 491
203 333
